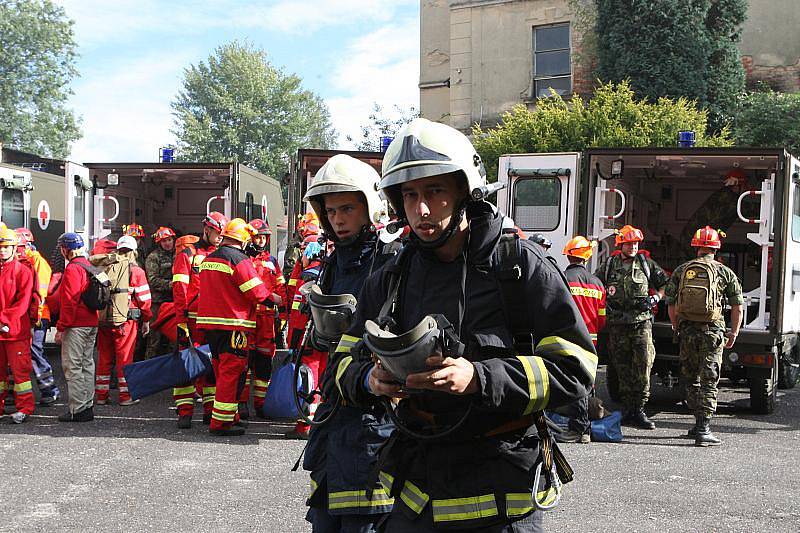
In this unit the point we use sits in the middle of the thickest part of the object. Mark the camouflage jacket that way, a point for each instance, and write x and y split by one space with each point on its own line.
159 274
628 285
729 287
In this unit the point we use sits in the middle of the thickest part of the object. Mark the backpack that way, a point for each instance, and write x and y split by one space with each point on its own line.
698 293
97 295
118 270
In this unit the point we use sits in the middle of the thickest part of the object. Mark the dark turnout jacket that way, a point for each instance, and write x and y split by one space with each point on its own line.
480 475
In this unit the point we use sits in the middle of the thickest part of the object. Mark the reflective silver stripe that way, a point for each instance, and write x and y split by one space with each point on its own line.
387 480
538 383
518 504
413 497
357 499
471 508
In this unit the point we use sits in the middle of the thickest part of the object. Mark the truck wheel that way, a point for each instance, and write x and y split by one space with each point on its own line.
612 382
789 370
763 392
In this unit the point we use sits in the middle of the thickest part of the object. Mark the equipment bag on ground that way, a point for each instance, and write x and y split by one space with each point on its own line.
279 401
608 429
166 371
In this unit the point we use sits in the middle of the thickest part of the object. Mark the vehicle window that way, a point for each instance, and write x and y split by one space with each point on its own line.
537 204
552 66
79 213
13 208
796 214
248 206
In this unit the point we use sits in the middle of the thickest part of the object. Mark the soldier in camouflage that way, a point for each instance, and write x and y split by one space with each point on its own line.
628 277
701 327
159 276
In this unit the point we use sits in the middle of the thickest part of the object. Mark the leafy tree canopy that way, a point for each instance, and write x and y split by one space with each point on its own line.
769 119
614 117
37 63
238 106
382 125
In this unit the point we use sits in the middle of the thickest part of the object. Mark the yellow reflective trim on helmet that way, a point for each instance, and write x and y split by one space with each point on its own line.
247 285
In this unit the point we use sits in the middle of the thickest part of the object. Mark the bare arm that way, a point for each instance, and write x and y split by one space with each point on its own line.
736 323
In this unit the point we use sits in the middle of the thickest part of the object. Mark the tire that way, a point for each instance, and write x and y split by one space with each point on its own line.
612 382
764 392
789 371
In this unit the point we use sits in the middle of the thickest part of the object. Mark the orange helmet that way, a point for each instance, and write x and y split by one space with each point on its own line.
707 238
25 236
216 220
186 241
163 233
579 246
628 234
239 230
134 230
261 226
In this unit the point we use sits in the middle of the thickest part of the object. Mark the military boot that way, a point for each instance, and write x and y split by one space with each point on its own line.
704 436
638 418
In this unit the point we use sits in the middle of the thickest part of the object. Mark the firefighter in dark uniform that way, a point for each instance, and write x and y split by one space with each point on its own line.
468 448
344 195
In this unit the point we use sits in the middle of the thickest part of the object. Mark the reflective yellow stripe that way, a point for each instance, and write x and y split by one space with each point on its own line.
386 479
519 503
180 391
355 499
314 487
223 406
218 321
293 282
343 364
295 306
192 314
214 265
223 417
184 401
593 336
558 346
413 497
281 280
247 285
471 508
2 386
585 291
180 278
538 383
601 311
346 343
22 388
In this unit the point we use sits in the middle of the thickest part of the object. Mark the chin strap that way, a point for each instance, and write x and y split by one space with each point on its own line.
448 232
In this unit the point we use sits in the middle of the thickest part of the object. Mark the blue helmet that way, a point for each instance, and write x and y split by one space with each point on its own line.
71 241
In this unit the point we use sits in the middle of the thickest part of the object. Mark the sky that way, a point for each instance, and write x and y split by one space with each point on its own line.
352 53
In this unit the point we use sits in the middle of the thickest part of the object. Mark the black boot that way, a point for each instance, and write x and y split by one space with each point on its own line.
637 418
692 433
704 436
185 422
244 411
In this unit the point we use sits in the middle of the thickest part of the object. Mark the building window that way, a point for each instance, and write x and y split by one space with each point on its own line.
552 67
537 204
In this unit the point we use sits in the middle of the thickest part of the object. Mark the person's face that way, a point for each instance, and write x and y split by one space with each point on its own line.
630 249
260 241
7 252
346 213
430 204
167 244
213 236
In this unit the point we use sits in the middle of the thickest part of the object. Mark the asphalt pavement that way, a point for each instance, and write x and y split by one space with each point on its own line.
132 470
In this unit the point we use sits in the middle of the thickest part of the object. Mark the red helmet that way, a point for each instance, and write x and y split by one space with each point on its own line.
261 226
707 237
216 220
628 234
163 233
24 235
134 230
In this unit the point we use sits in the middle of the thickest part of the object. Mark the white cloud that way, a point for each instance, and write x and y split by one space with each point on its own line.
381 67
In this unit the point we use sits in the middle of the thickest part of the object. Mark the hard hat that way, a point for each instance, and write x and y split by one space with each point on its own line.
579 246
216 220
424 148
628 234
126 241
342 173
238 230
261 226
8 237
163 233
707 237
541 240
133 230
25 236
71 241
184 242
104 246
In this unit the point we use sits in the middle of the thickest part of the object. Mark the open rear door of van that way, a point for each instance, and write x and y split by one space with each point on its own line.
541 195
78 201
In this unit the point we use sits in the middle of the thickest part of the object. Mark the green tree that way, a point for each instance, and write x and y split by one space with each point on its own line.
769 119
381 125
614 117
674 48
238 106
37 64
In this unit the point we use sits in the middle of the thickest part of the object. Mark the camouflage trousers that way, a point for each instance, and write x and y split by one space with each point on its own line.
632 353
701 358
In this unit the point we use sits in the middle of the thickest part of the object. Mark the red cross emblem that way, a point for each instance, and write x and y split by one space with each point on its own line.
44 214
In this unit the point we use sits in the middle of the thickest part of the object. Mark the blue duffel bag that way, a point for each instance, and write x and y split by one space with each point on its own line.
608 429
279 401
167 371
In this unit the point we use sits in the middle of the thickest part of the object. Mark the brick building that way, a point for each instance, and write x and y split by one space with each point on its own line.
479 58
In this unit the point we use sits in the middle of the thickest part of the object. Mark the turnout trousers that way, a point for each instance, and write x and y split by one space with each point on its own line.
17 355
229 351
204 386
115 348
260 365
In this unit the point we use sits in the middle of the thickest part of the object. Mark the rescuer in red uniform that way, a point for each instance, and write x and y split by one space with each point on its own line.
185 289
230 289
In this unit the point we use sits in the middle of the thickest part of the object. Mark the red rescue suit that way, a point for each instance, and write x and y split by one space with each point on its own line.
16 292
229 291
589 296
185 290
119 342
